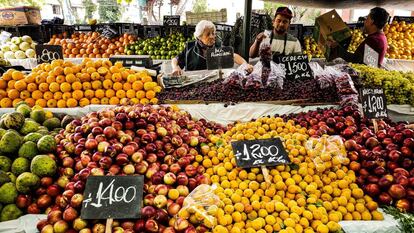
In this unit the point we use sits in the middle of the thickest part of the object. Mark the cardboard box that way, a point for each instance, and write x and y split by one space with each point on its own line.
20 15
331 25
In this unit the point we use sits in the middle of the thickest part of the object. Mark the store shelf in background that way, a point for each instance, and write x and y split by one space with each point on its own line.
215 17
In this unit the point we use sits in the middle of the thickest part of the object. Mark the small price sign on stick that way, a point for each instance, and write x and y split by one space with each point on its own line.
260 153
374 104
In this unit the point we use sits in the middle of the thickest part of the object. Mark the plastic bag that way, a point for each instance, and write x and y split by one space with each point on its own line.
254 79
326 152
203 203
276 76
344 84
348 100
324 77
265 52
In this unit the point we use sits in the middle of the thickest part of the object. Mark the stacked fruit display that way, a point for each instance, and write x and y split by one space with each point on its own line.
160 143
398 86
382 160
158 47
18 48
304 196
311 48
357 38
400 38
92 45
27 162
63 84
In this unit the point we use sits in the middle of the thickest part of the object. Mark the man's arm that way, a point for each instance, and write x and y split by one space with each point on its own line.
254 49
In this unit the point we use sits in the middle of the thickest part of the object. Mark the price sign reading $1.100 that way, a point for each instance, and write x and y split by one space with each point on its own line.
256 153
373 103
117 197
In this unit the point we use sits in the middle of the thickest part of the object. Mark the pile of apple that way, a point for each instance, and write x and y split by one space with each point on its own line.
160 143
382 160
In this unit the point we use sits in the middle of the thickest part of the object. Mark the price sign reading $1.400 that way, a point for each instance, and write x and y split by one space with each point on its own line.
256 153
117 197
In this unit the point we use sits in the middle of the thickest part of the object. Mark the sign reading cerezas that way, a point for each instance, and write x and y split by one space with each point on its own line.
48 53
374 103
117 197
256 153
297 67
220 58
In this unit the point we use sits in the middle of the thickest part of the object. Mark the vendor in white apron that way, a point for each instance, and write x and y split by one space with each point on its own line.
282 43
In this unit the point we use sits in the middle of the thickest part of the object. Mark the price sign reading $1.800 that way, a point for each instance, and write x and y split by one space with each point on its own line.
256 153
373 103
117 197
48 53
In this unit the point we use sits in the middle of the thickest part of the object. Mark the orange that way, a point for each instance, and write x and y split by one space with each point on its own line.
124 75
109 93
24 94
13 94
31 78
77 94
135 100
120 94
68 70
61 104
48 95
154 101
90 64
114 101
130 94
54 87
3 94
31 87
150 94
140 94
144 101
85 77
20 85
146 78
105 100
50 79
90 70
70 78
66 95
43 87
95 76
99 93
95 101
89 94
125 101
96 85
84 102
107 84
114 69
118 65
102 70
47 67
3 84
10 84
6 103
116 77
117 86
58 70
131 78
60 79
7 76
127 86
57 95
56 63
86 86
52 103
108 76
67 64
71 102
37 94
41 102
30 101
76 86
16 101
17 75
65 87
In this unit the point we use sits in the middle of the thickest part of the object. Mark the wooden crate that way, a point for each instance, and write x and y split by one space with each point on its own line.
216 17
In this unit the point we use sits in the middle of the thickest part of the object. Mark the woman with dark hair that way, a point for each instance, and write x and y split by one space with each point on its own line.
376 39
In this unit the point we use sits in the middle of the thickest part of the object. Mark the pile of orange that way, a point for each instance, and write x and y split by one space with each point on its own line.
63 84
92 45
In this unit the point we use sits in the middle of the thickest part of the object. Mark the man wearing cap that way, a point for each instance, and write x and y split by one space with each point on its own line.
282 43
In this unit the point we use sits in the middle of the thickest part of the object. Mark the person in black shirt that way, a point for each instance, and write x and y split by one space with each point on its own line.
193 57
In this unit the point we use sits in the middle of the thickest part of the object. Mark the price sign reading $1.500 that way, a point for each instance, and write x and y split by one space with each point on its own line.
256 153
373 103
297 67
117 197
48 53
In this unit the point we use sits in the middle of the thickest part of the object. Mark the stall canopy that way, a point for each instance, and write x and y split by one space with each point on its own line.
394 4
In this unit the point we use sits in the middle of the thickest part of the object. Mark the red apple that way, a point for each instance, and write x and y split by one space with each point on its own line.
70 214
397 191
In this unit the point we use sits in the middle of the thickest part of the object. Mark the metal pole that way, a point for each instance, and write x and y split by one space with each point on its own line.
246 28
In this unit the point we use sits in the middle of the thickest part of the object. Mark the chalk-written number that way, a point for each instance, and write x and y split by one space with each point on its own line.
375 103
296 66
121 194
49 55
258 151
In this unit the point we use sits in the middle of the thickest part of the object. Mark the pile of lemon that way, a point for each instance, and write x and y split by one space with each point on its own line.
299 197
62 84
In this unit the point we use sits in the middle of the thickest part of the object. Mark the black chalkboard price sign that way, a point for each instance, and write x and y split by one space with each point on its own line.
373 103
257 153
112 197
171 20
370 56
220 58
407 19
48 53
297 67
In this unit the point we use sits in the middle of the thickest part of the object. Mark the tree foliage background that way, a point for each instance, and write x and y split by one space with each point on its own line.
109 11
